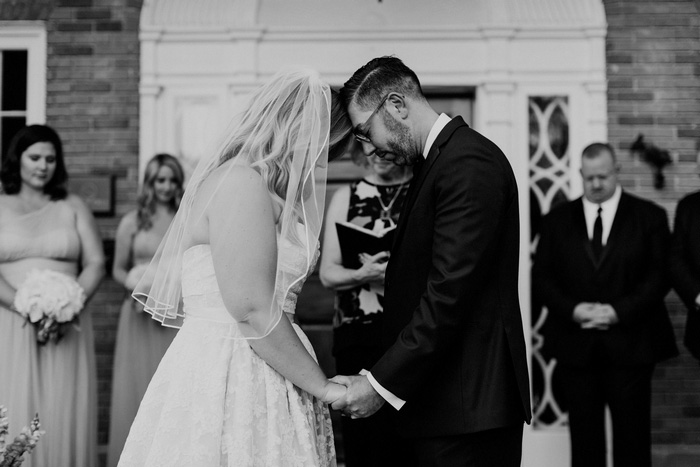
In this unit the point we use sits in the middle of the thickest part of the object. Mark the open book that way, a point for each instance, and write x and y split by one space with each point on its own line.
354 240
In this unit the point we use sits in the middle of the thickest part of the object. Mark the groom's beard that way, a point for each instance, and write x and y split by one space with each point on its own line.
401 142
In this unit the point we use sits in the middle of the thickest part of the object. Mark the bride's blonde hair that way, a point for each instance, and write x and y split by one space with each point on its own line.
289 130
267 142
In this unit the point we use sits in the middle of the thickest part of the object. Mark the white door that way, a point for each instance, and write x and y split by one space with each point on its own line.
546 441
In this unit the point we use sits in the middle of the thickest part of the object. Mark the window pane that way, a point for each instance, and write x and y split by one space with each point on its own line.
9 126
14 80
452 105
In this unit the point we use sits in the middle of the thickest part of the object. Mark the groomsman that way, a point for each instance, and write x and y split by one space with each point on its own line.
685 266
599 270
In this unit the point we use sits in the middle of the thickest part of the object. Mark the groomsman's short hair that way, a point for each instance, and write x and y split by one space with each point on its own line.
596 149
370 84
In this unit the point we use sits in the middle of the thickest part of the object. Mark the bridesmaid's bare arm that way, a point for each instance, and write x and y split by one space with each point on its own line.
122 247
92 256
7 292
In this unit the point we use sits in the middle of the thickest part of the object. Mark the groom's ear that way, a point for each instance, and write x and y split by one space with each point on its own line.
398 105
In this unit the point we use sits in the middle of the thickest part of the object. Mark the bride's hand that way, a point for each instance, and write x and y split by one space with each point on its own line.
333 392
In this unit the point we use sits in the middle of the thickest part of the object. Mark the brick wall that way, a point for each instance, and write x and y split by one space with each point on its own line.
653 63
93 102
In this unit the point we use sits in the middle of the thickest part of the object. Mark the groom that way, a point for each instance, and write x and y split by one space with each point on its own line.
455 365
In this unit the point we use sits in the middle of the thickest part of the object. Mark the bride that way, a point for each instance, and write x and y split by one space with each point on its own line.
240 386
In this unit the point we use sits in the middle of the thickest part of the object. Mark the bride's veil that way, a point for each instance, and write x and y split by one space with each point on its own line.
283 134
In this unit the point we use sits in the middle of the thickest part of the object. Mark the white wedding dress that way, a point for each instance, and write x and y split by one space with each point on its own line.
213 402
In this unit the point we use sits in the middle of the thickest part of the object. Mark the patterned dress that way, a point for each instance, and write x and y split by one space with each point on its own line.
356 335
358 310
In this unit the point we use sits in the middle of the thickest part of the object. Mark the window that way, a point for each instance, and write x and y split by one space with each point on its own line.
452 101
13 94
22 77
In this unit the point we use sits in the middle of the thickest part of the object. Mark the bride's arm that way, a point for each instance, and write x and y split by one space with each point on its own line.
242 236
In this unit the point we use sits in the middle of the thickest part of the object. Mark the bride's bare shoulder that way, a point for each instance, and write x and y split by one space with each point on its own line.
233 180
230 172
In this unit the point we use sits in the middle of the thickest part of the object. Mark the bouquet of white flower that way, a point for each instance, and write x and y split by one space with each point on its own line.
13 455
49 299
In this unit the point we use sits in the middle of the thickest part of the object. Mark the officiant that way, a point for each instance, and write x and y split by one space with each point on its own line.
373 202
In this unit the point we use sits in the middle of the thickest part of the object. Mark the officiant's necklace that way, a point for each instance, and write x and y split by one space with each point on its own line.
386 208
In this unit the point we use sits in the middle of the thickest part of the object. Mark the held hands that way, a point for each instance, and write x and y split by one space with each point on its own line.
360 400
333 392
373 267
595 315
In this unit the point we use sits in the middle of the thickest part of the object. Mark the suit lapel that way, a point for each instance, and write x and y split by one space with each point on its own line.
582 231
618 225
419 177
615 230
416 183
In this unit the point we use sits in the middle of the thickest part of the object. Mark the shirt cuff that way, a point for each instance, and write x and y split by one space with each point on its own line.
387 395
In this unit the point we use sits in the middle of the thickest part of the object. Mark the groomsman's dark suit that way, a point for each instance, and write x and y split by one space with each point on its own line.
685 265
611 365
453 331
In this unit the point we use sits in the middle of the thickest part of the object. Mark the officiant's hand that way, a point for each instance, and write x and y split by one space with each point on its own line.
373 267
361 400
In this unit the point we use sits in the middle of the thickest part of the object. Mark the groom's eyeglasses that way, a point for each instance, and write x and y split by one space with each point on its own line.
360 131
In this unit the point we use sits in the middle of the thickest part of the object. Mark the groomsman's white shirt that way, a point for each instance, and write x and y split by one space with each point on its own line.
607 215
396 402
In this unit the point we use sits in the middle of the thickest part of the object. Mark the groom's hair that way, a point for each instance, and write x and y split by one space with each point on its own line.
378 77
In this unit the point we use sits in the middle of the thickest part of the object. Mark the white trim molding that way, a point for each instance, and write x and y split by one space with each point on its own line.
199 58
29 36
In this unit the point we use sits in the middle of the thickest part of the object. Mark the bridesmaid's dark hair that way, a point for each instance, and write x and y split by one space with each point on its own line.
10 171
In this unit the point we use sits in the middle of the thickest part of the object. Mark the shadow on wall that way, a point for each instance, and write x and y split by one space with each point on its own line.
657 158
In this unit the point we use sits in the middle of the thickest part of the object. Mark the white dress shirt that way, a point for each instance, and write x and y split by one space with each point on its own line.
397 402
590 211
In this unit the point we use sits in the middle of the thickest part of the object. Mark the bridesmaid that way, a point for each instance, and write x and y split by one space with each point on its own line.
141 341
44 227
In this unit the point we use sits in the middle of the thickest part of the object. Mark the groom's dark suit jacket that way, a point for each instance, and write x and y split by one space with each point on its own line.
453 330
685 265
630 276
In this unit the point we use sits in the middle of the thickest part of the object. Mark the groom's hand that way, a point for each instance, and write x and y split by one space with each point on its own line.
361 400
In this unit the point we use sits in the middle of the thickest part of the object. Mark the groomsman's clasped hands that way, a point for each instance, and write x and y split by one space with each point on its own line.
595 315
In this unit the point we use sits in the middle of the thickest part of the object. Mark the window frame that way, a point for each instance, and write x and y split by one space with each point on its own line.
29 36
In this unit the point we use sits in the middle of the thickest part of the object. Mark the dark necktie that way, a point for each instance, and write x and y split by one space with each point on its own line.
597 242
420 162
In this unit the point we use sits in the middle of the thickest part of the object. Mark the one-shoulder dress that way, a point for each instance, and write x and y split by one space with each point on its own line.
57 381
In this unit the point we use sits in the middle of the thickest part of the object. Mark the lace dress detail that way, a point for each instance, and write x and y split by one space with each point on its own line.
214 402
140 345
